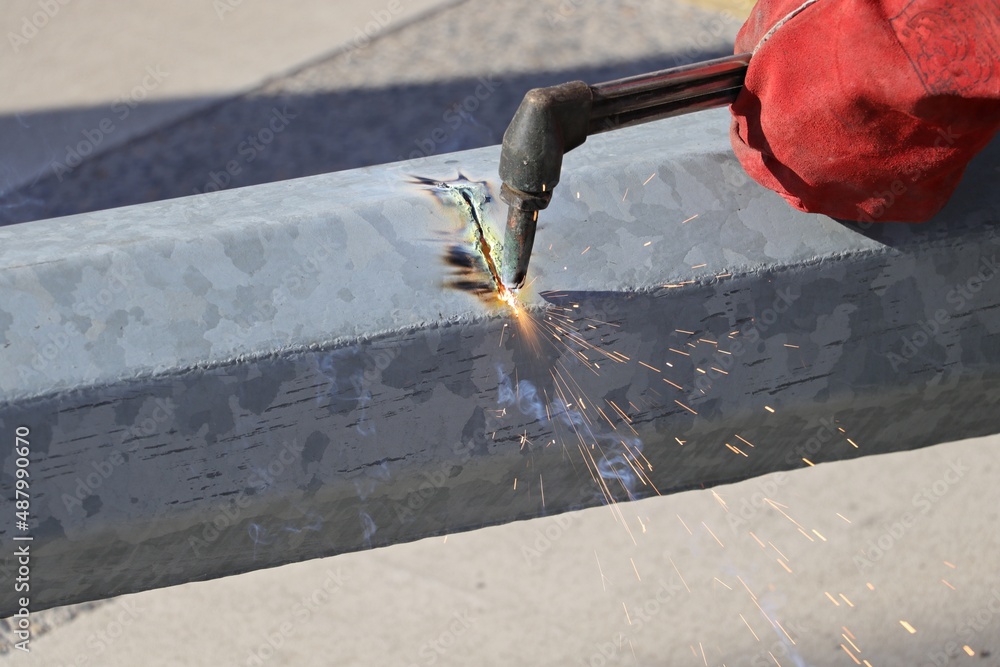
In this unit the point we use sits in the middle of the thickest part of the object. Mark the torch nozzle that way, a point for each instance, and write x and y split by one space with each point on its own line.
518 239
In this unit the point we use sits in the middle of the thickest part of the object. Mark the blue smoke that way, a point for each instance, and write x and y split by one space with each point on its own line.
616 461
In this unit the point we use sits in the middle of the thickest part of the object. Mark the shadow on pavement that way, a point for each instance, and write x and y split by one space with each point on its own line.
259 138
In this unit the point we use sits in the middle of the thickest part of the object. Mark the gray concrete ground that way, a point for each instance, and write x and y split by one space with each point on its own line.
895 562
890 539
85 76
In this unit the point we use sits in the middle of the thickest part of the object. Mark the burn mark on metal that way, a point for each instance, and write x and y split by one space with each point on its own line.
473 260
468 274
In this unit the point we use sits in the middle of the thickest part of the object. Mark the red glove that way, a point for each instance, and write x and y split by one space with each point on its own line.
867 109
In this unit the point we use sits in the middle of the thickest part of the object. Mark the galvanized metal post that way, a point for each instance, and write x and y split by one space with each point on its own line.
239 380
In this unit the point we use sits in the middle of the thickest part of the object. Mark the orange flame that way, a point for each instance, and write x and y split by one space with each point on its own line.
509 298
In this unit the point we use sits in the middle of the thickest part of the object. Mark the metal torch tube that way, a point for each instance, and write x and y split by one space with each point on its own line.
671 90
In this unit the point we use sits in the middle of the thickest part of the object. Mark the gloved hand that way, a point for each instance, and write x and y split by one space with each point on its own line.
867 109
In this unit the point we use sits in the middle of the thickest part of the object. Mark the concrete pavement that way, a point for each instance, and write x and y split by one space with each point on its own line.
903 538
92 75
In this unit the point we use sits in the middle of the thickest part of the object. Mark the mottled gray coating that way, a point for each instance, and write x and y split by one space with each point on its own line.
239 380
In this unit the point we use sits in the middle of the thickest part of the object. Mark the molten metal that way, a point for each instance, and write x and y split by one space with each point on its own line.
509 298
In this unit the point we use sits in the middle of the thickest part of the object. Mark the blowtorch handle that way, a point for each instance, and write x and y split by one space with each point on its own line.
670 92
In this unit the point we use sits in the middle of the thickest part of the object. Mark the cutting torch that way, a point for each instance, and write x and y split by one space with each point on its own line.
552 121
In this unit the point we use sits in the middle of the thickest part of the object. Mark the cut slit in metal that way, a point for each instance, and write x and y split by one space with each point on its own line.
484 246
463 192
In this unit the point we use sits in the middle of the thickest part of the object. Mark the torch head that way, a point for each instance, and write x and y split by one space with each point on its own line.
519 237
549 122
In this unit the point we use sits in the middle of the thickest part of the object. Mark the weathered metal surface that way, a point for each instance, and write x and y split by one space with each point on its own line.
239 380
